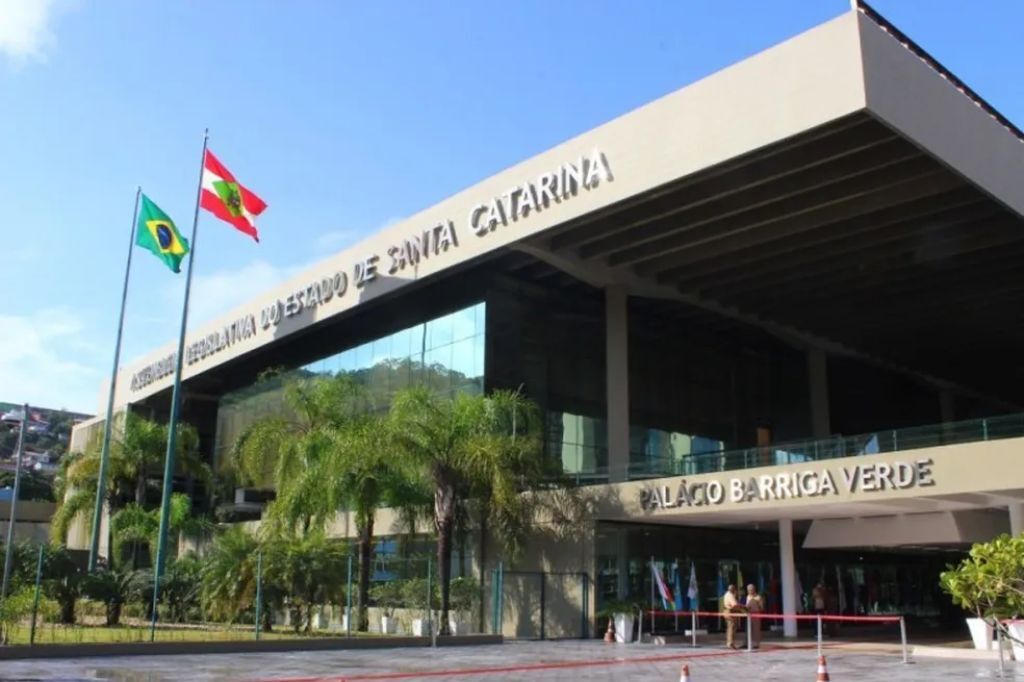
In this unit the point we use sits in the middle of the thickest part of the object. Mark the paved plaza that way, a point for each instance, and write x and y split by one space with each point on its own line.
535 661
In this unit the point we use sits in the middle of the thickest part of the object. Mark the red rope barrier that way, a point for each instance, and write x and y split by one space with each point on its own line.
777 616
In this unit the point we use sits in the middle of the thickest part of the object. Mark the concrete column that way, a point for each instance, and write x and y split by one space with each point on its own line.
947 407
817 374
621 563
617 381
1016 519
788 565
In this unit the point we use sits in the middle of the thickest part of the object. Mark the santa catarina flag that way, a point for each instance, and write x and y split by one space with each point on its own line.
156 231
225 198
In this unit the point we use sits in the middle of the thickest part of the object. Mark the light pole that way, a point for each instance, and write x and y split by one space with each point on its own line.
9 548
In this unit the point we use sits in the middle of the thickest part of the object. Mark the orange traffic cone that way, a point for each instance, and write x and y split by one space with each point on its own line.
822 670
609 634
684 674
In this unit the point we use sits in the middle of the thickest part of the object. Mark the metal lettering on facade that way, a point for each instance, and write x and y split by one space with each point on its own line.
312 295
585 173
563 183
240 329
150 373
809 483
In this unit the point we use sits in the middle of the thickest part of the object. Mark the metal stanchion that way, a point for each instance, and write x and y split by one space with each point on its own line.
999 645
259 591
750 634
819 635
693 629
903 639
35 599
348 598
430 606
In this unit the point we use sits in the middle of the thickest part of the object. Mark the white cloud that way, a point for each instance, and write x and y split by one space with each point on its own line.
45 362
25 28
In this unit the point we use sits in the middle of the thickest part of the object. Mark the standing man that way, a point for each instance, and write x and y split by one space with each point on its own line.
755 605
730 606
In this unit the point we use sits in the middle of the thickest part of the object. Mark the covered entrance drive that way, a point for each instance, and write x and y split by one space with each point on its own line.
874 531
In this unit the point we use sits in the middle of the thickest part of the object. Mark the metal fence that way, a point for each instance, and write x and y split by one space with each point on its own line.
539 605
52 599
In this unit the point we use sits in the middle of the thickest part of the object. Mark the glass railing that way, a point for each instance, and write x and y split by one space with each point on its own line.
896 440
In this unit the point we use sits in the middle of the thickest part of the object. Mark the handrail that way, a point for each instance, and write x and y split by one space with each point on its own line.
805 451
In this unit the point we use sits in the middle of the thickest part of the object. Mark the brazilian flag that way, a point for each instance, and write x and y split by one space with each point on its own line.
156 232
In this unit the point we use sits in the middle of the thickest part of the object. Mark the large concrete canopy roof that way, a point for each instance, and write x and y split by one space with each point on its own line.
840 189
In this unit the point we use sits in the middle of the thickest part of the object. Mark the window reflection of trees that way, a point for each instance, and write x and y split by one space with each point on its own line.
446 354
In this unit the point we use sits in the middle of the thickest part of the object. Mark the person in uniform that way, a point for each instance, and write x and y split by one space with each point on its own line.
731 607
818 596
755 605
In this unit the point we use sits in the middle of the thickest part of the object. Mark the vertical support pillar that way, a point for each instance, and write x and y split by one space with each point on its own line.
947 406
788 566
617 382
1016 519
817 374
621 564
947 413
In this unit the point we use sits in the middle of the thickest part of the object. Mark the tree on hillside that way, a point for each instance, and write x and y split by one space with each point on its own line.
472 447
34 486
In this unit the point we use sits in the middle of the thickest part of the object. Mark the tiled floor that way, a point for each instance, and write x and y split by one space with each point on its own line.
534 661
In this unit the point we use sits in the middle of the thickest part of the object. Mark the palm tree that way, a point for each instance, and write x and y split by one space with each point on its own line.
330 453
137 451
112 589
357 472
472 447
276 450
136 526
307 570
229 574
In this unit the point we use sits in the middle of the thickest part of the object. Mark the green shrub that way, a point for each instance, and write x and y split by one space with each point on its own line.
414 594
387 596
990 582
463 596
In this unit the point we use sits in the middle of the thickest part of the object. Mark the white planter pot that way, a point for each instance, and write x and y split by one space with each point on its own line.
420 627
388 625
623 627
321 620
981 634
1016 629
457 626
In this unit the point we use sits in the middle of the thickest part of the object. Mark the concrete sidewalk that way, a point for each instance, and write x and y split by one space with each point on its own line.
568 661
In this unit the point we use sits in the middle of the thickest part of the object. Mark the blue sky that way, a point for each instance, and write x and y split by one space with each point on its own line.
343 116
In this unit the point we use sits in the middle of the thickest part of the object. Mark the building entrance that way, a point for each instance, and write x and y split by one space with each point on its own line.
852 581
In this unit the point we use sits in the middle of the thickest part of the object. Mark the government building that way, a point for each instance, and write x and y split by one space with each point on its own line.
773 321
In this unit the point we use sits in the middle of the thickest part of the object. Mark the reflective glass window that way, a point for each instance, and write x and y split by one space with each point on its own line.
439 332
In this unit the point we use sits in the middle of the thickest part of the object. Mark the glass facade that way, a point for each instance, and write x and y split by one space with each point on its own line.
861 582
550 344
445 353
